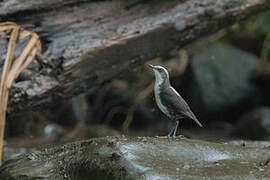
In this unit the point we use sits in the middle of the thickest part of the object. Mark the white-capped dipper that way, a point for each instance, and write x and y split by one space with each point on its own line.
169 100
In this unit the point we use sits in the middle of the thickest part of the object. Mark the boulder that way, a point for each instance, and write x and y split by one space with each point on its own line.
218 84
140 158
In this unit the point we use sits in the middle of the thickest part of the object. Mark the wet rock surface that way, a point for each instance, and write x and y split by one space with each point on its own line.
142 158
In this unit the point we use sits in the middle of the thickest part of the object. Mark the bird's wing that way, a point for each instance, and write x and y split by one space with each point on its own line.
173 100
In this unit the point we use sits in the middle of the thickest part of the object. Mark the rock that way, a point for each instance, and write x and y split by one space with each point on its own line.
254 144
12 152
85 131
140 158
219 81
254 125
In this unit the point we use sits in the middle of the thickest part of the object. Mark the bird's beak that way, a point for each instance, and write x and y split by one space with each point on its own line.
151 66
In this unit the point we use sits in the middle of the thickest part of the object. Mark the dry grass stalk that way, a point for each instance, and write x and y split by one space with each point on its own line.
12 68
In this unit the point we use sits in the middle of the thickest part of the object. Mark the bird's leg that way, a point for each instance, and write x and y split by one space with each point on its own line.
175 129
171 132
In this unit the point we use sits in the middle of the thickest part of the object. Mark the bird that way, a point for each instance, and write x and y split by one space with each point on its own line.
169 101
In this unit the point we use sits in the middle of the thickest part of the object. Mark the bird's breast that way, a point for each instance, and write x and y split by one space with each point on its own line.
158 100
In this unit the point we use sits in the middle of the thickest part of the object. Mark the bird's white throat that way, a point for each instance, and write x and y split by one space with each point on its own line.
159 79
158 82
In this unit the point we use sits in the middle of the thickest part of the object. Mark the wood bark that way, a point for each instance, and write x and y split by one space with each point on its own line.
88 43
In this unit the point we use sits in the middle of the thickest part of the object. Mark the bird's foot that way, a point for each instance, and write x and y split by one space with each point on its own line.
174 136
181 136
171 136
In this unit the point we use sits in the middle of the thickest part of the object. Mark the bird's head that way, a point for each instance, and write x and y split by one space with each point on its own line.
161 73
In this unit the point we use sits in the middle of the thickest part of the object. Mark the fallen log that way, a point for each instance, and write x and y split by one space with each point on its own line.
88 43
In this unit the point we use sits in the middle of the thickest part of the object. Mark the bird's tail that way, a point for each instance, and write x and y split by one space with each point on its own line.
193 117
198 122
